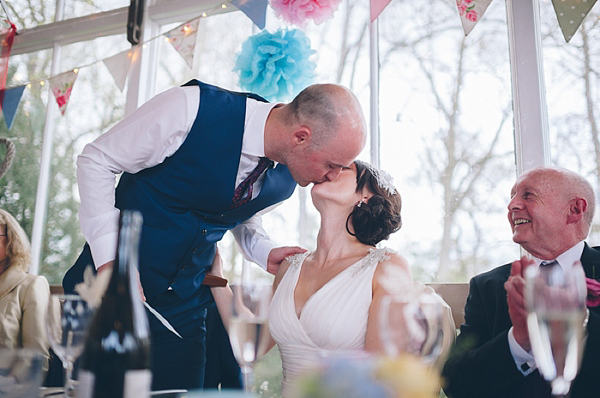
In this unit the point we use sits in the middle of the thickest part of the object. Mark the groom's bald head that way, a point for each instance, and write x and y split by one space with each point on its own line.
321 131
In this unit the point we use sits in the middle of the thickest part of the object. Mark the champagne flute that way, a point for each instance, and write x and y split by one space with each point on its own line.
413 326
248 326
555 302
66 322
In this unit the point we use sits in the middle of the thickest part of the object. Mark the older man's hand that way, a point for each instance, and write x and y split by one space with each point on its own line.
278 254
515 288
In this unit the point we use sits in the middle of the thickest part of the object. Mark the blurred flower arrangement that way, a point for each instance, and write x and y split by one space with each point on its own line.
275 65
403 377
299 11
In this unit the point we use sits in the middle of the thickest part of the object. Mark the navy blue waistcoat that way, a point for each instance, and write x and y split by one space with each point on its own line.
185 200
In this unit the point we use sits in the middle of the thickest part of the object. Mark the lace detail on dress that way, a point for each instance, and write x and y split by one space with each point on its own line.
297 259
374 257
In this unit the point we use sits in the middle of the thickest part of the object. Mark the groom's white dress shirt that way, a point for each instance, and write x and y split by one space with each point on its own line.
145 139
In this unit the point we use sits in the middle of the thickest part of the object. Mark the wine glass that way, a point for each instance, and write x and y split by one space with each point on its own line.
248 326
556 306
66 322
413 325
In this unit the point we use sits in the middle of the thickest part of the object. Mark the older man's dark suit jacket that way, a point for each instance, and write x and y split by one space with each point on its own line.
481 365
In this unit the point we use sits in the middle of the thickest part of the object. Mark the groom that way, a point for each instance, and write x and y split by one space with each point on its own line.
198 161
550 213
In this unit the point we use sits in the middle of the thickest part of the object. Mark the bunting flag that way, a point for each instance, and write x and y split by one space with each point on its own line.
10 102
471 11
118 65
570 14
183 39
7 35
377 6
61 86
256 10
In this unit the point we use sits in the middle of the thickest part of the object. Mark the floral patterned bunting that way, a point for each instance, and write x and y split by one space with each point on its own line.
61 86
183 39
471 11
570 14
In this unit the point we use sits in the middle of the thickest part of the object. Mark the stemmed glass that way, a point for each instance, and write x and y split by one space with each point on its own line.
413 325
248 326
556 306
66 322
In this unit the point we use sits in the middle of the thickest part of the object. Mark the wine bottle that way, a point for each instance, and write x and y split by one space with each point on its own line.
116 357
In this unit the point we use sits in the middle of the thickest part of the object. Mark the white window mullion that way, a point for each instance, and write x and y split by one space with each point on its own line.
41 200
532 147
374 86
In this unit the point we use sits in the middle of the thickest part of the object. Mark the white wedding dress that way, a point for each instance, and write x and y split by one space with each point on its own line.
334 319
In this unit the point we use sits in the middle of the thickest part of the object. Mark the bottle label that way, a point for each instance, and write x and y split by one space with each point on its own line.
137 383
85 384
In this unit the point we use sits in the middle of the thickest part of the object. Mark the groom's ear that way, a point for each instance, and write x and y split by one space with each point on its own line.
301 135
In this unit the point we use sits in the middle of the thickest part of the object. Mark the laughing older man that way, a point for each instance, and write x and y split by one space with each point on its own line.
550 213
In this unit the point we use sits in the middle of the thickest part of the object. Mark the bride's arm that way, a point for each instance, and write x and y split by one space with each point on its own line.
401 272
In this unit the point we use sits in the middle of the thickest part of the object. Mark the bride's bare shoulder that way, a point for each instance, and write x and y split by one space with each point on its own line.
290 261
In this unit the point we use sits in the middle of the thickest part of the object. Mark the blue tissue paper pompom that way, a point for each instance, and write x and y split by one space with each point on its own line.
276 65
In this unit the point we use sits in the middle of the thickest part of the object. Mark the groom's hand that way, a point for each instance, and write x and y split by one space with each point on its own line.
278 254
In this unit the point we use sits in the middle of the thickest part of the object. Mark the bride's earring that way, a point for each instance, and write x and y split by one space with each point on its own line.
359 204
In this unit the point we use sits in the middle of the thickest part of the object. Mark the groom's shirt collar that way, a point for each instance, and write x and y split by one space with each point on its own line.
257 112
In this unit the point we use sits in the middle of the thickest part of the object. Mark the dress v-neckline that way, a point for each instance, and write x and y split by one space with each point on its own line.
299 315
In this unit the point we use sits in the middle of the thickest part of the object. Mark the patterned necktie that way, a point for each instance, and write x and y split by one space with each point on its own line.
246 186
548 263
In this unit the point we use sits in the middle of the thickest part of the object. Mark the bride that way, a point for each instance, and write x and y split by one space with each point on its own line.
328 300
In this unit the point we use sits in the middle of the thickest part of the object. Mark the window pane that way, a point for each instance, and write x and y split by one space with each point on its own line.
19 185
95 103
78 8
447 137
29 14
573 96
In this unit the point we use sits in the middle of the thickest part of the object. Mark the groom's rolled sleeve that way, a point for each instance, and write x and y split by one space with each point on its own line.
253 241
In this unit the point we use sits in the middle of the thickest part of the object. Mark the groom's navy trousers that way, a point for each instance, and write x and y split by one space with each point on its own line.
185 202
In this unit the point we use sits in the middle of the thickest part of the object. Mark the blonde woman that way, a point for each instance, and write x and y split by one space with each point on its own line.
23 297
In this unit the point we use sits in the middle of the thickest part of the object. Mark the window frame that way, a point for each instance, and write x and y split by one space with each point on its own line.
531 137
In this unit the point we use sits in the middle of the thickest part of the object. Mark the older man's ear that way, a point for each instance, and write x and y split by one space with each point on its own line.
577 208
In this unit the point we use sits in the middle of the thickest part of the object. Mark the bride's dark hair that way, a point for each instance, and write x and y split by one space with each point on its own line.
377 218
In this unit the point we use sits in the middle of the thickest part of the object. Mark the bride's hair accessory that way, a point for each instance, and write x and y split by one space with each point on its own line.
384 179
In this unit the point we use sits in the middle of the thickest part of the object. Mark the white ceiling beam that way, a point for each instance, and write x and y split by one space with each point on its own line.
109 23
